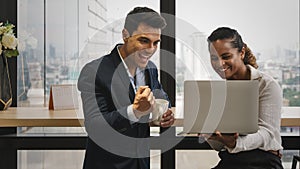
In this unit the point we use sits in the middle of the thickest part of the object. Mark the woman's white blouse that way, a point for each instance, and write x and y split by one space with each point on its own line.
269 117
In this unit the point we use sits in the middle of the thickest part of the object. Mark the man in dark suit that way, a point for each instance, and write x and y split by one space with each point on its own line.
118 93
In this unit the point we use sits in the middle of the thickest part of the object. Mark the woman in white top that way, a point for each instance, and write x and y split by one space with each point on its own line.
233 60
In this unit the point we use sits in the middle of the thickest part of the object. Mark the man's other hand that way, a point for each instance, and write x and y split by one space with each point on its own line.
167 119
143 101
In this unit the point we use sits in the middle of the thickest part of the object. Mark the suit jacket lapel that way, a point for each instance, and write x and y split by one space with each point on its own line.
149 77
122 73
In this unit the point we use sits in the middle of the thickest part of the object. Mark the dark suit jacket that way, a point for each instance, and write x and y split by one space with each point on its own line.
114 141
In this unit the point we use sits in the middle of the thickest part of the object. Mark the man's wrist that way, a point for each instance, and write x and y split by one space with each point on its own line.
136 113
131 114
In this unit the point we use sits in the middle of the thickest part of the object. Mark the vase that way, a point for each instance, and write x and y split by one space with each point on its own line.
5 85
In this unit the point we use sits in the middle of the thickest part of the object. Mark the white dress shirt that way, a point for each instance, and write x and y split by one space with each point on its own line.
140 81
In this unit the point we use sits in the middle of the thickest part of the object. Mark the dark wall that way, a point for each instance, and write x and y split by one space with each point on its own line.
8 12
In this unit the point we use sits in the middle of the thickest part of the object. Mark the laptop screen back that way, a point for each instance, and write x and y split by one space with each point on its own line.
226 106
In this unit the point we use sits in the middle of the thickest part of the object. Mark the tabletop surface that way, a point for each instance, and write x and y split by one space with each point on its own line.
42 117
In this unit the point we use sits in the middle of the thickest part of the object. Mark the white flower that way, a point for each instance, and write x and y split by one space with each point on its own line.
2 29
0 48
9 41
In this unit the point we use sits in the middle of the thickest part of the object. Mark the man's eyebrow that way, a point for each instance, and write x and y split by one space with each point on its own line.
143 37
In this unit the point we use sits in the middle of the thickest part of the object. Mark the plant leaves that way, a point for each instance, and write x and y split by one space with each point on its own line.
10 52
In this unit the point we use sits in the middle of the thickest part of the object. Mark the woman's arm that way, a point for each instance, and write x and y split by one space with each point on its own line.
268 135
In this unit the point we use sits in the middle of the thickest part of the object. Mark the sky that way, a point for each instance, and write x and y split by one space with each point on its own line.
119 10
263 24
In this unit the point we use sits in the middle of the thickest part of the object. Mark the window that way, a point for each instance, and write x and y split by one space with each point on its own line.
272 37
58 37
270 29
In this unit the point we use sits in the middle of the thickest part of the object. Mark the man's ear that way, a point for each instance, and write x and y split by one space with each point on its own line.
125 34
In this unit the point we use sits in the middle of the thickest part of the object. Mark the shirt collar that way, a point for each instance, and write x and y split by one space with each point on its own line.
255 74
126 67
137 71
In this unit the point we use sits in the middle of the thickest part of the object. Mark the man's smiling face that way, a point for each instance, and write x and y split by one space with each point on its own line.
142 44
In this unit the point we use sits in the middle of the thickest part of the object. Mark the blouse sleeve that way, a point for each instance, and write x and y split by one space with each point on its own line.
268 135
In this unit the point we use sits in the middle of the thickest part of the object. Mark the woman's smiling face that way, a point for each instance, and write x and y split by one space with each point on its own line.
226 60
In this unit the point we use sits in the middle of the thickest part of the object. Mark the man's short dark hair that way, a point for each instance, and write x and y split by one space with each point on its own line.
143 15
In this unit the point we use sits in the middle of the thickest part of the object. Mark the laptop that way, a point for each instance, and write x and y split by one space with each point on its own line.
228 106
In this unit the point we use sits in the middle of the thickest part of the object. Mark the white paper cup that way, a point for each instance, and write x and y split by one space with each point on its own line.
161 106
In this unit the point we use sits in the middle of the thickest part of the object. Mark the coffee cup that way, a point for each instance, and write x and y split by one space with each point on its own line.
160 107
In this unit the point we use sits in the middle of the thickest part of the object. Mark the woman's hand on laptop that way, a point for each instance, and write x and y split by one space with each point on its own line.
228 140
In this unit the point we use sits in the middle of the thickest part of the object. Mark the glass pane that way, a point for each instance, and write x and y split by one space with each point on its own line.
50 159
31 48
68 34
64 159
272 35
196 159
62 28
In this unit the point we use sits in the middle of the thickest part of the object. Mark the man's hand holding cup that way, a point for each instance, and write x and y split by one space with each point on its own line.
167 119
162 115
